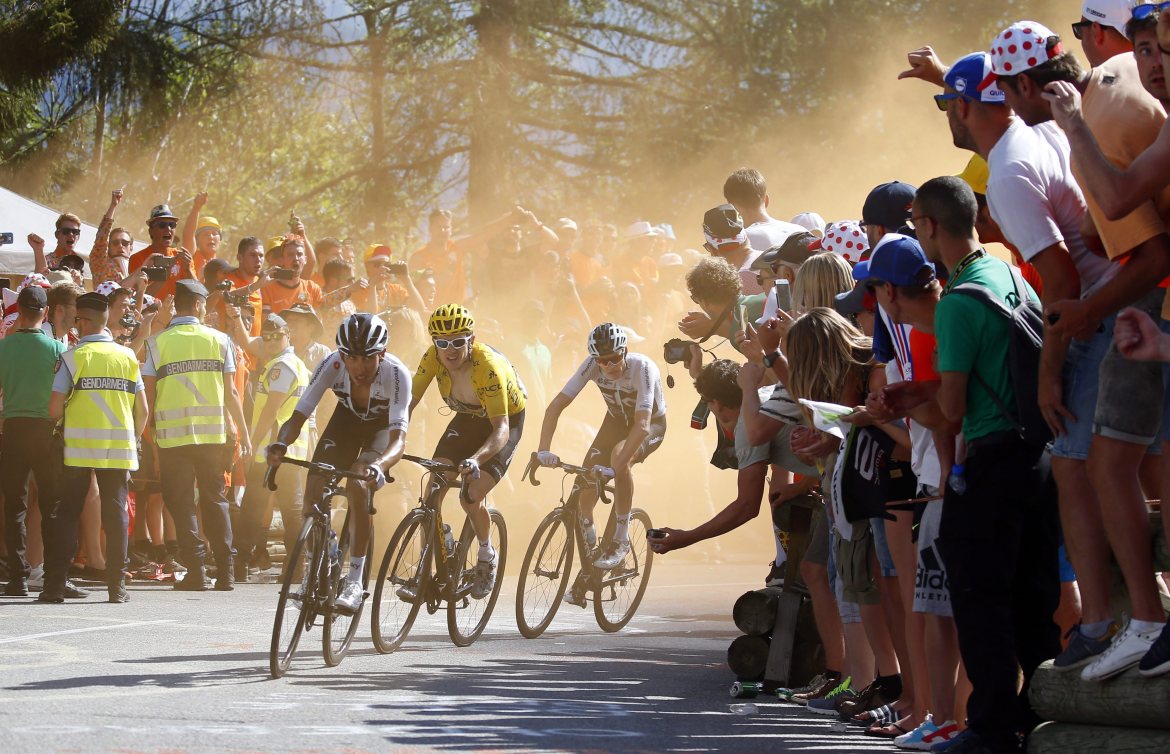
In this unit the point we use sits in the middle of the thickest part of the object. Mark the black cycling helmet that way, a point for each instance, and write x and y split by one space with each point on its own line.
606 339
362 334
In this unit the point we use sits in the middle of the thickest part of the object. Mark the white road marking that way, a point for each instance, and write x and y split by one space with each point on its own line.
28 637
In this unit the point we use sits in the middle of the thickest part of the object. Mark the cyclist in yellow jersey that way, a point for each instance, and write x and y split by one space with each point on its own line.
488 399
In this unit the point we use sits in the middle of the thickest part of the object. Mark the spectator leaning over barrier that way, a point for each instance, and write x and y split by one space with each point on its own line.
98 391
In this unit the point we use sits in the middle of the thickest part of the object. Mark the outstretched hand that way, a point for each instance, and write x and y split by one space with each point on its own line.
925 65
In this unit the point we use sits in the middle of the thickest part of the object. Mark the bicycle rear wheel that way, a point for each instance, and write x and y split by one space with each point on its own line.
296 598
339 628
618 592
403 580
545 575
467 617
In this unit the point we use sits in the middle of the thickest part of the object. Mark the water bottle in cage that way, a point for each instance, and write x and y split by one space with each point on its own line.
449 540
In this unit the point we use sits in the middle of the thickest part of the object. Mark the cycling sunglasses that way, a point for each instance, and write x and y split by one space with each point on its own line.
1146 10
452 343
613 358
274 335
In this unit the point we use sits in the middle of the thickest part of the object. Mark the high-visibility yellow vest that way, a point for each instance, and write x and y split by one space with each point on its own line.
99 415
287 362
189 399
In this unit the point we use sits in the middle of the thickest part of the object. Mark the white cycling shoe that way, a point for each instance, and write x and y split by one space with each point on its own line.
350 598
613 555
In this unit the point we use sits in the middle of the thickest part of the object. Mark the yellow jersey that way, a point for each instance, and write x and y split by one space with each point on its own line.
494 379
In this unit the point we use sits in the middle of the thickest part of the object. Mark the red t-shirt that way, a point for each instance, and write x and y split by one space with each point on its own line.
176 272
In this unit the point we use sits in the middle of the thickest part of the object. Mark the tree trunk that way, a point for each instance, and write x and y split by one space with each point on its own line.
747 657
755 612
1128 701
377 200
1067 738
489 175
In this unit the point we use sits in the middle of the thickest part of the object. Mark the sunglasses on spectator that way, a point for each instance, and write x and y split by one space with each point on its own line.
69 231
452 343
1079 28
270 336
1146 10
611 360
167 225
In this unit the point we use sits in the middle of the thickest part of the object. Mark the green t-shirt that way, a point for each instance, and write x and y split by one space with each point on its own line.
747 308
974 339
27 363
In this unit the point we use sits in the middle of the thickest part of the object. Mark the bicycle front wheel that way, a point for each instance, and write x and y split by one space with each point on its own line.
467 615
618 591
339 628
403 580
296 591
545 575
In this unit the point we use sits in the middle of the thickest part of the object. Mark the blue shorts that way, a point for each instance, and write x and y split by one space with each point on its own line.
881 546
1082 369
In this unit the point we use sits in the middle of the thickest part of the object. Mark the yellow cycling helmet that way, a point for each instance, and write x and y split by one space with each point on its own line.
450 319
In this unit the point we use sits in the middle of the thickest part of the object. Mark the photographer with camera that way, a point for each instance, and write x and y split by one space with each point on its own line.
164 263
389 284
289 285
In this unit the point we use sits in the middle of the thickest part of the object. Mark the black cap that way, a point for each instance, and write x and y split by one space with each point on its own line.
32 297
273 323
723 223
888 205
795 249
95 301
190 288
850 302
71 262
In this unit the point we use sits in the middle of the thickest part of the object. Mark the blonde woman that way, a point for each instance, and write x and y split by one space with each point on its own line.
832 361
819 280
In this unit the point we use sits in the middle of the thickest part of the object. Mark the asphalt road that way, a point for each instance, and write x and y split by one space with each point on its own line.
172 672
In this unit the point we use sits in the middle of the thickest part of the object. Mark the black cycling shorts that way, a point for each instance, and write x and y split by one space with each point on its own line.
467 433
349 438
615 429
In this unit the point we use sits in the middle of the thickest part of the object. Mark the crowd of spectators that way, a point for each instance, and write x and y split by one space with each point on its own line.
881 359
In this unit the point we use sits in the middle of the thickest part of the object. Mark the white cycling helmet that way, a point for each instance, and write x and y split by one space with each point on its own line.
606 339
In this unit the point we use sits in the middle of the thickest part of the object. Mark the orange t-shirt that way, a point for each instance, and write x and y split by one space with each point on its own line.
586 269
450 273
164 289
278 296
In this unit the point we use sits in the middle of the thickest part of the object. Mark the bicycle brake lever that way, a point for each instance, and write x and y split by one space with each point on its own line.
530 471
601 492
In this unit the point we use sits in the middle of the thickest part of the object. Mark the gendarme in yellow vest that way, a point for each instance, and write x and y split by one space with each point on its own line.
272 370
99 416
189 399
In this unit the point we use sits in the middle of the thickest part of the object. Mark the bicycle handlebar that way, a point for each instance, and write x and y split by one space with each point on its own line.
581 471
431 464
323 468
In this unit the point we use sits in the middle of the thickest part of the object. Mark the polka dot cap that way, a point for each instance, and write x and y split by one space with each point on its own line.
1021 47
35 278
846 239
107 288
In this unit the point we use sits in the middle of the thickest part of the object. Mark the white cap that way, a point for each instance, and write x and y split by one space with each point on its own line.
670 259
640 229
810 221
1115 13
566 222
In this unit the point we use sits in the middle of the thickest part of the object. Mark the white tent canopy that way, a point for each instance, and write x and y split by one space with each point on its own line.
20 217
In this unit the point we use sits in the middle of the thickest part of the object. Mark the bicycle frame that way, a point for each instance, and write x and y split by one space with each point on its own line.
433 491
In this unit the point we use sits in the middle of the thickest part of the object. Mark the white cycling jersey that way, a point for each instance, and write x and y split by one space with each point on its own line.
638 389
389 395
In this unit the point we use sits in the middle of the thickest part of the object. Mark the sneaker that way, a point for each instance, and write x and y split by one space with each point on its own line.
16 588
1127 650
1157 660
916 739
483 578
819 692
170 565
73 591
1082 650
776 574
967 742
946 733
827 705
36 578
577 592
872 696
615 553
786 695
350 598
117 592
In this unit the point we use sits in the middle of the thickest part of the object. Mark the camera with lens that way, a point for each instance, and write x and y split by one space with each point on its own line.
223 286
235 299
129 322
677 351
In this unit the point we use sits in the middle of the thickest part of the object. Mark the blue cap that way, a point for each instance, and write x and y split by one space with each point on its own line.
966 76
898 260
861 271
888 205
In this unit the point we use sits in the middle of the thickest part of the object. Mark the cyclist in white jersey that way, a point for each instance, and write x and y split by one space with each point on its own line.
367 432
634 425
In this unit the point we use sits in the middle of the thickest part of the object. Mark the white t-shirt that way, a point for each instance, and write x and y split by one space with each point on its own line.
1036 201
389 395
638 389
772 232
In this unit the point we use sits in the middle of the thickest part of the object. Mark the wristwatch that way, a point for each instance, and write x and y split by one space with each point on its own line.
770 359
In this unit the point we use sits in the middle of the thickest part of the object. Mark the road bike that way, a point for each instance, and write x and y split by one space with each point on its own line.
544 577
313 572
424 565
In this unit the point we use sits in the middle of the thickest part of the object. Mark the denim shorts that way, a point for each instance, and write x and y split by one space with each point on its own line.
1082 369
881 545
1134 403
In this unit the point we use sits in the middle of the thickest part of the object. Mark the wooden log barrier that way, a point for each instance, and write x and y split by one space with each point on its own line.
748 657
754 612
1127 701
1070 738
